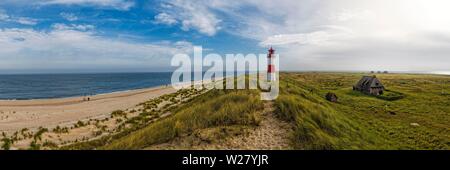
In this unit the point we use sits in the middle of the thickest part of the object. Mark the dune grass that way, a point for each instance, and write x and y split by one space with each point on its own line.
213 109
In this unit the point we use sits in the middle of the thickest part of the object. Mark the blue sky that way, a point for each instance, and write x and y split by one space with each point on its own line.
139 24
143 35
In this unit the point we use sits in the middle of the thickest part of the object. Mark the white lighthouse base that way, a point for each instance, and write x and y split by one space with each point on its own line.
271 77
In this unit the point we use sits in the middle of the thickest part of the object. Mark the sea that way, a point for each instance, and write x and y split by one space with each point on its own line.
46 86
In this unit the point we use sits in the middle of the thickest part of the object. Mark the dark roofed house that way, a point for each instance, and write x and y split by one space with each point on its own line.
369 85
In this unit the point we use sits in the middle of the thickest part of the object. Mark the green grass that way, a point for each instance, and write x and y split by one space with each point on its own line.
356 121
318 125
390 95
360 121
214 109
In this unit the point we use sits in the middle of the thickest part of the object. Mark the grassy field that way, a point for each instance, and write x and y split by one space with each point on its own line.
413 114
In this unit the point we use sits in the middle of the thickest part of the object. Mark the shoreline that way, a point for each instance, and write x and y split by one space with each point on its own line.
77 98
93 94
34 113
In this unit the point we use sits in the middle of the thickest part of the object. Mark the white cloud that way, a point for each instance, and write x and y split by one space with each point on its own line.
60 26
164 18
340 34
21 20
116 4
192 15
314 38
69 16
26 21
347 15
3 16
65 47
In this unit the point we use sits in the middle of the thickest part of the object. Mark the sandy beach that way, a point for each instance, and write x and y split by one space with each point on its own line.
19 114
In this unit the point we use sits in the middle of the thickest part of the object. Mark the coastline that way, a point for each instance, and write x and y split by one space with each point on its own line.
75 99
34 113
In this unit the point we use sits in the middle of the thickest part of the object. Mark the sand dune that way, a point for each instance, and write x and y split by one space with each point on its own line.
19 114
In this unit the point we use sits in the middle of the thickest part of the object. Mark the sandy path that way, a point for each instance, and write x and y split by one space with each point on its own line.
271 134
15 115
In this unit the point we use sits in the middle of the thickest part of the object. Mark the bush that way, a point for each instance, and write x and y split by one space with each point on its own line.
118 113
97 133
6 143
80 124
34 145
38 134
58 129
49 144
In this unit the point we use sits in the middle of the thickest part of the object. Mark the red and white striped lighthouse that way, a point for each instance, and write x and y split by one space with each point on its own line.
270 65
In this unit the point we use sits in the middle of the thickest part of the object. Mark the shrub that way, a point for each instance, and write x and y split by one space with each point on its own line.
118 113
49 144
38 134
34 145
97 133
6 143
80 124
58 129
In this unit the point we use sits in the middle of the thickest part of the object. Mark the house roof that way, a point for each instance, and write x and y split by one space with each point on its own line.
369 81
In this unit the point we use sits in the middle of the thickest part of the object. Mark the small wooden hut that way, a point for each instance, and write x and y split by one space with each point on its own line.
369 85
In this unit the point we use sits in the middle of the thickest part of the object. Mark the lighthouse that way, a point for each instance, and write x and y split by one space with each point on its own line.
271 77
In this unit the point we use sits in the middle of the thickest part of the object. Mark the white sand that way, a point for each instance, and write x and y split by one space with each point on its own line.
16 115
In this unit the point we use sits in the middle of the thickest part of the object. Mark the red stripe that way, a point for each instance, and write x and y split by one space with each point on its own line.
270 69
